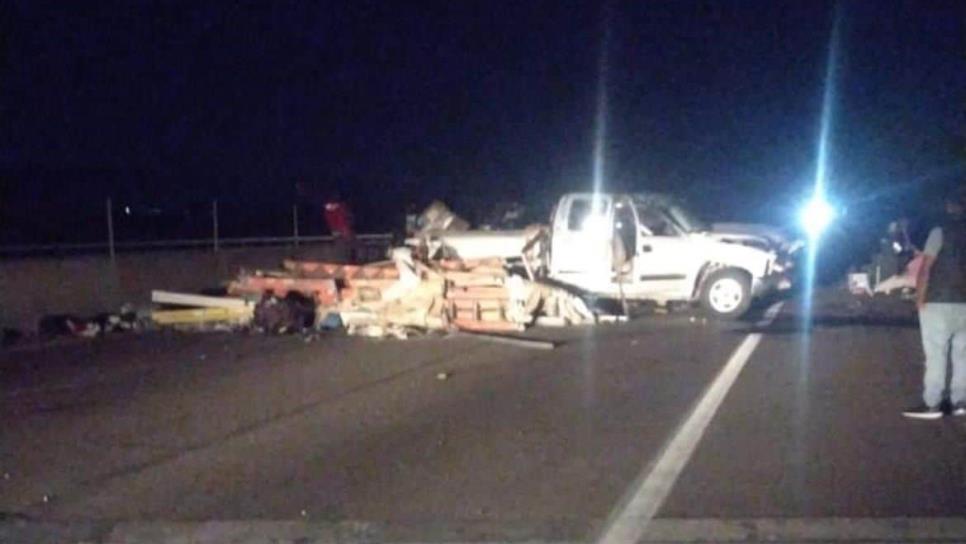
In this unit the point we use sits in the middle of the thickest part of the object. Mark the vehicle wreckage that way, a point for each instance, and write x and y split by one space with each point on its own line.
622 247
636 247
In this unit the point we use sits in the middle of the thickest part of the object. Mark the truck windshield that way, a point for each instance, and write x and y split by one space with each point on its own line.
686 219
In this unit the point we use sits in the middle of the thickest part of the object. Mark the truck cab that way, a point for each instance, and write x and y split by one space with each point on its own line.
650 247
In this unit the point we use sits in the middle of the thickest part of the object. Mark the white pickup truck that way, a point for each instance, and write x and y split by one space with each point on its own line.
646 247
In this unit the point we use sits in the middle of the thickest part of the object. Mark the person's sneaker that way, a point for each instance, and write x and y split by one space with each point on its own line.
959 409
923 412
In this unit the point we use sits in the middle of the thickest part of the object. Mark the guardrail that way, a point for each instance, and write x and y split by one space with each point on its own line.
213 244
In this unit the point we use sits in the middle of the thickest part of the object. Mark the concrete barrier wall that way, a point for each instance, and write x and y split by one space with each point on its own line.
87 285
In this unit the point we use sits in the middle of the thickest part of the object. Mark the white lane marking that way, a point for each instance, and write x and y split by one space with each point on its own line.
632 516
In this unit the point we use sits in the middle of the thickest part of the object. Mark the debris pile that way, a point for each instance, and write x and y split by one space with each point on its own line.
400 297
406 294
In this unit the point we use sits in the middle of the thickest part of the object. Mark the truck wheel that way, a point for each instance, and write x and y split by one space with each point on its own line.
726 294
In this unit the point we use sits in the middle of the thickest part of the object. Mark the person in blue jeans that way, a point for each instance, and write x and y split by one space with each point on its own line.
941 299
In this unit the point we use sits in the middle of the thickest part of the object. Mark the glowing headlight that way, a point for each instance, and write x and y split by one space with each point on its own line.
816 216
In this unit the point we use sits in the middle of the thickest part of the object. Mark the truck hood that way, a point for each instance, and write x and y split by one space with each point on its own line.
752 257
764 237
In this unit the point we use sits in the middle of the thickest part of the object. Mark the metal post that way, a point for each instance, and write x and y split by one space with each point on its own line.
214 224
110 230
295 223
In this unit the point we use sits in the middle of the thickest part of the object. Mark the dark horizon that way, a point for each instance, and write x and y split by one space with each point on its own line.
266 105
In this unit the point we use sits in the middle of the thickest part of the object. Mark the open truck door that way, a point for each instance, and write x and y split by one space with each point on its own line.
581 245
665 263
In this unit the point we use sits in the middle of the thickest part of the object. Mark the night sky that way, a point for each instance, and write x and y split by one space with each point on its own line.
262 104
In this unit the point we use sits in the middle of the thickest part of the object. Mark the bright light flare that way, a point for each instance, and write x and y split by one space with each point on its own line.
596 224
816 216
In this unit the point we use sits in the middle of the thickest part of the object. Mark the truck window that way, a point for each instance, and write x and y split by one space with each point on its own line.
654 221
580 210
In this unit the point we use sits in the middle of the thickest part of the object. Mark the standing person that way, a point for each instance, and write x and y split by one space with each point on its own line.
941 299
338 218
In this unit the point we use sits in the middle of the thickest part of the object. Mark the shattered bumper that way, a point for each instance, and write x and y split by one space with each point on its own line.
774 282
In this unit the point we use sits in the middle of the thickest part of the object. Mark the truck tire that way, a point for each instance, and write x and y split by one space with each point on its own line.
726 293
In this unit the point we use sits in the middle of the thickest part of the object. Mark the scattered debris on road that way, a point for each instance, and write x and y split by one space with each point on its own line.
280 315
87 327
514 341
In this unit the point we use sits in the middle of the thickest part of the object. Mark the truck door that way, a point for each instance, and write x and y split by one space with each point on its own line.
664 261
625 245
581 241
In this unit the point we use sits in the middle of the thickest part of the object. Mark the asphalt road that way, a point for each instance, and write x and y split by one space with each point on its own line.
445 438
